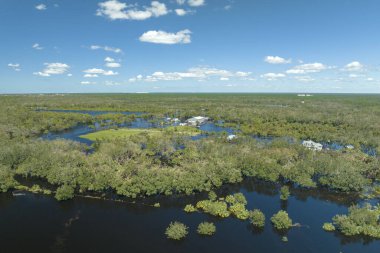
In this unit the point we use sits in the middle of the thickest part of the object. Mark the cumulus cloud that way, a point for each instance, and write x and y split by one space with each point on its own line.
94 72
180 12
198 73
354 66
41 7
277 60
55 68
37 46
111 63
196 3
307 68
15 66
114 10
273 76
106 48
161 37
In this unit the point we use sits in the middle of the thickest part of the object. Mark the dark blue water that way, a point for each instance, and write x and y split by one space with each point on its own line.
34 223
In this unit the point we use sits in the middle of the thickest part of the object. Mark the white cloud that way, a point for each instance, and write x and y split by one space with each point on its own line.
110 63
95 71
37 46
113 65
114 10
15 66
90 75
198 73
109 59
180 12
354 66
106 48
87 82
55 68
41 7
196 3
181 2
277 60
161 37
227 7
69 75
307 68
273 76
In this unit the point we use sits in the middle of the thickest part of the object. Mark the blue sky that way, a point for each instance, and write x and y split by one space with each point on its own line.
190 46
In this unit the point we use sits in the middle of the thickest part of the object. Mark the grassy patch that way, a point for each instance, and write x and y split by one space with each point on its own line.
112 134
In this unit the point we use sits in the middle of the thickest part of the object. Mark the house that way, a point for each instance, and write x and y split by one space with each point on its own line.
196 121
231 137
312 145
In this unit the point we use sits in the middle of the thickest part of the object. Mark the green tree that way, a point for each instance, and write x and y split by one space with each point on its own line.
284 193
206 228
281 220
64 192
176 230
257 218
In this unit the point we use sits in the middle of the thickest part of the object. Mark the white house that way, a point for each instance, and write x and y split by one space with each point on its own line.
312 145
231 137
197 121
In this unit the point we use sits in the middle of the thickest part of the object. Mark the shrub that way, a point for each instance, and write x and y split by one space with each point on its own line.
212 196
328 227
284 193
359 221
190 208
216 208
64 192
176 231
206 228
157 205
257 218
281 220
239 211
236 198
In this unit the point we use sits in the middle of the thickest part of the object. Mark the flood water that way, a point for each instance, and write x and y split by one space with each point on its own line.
36 223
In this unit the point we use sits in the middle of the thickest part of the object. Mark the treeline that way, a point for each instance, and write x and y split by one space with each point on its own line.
346 119
144 165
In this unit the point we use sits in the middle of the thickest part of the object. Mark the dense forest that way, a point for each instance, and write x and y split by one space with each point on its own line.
168 163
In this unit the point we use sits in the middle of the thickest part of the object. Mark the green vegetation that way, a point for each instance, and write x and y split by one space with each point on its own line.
239 211
157 205
328 227
113 134
216 208
176 231
145 164
257 218
64 192
281 220
359 221
206 228
190 208
284 193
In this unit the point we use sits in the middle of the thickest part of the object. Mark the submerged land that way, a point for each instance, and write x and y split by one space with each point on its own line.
137 148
